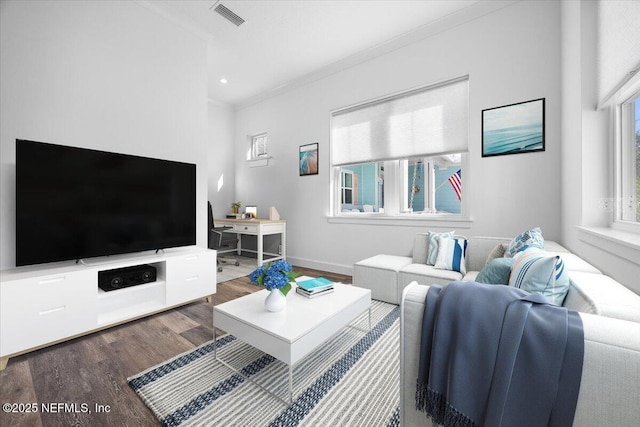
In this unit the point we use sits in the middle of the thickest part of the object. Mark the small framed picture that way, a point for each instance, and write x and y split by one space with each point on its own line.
309 159
512 129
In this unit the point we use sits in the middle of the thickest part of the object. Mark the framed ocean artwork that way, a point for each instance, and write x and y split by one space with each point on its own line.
309 159
514 128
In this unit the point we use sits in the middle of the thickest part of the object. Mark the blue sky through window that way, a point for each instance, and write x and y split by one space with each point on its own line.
637 114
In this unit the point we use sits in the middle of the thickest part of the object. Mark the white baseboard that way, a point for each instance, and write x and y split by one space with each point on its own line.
319 265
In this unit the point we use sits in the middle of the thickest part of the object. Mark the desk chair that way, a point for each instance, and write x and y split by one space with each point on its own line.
221 240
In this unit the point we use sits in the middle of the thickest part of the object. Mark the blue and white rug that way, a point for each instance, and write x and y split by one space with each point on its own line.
351 380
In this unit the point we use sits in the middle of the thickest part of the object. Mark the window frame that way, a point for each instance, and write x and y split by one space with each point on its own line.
254 153
428 183
394 189
624 136
344 188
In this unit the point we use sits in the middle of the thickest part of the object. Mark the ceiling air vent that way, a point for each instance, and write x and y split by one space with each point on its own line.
228 15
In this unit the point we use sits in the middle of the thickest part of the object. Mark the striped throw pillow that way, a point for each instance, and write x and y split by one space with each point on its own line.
451 254
536 271
434 245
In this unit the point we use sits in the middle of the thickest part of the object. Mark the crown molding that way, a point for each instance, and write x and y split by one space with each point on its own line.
458 18
186 24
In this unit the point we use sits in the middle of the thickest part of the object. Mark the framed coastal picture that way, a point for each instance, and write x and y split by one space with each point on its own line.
309 159
512 129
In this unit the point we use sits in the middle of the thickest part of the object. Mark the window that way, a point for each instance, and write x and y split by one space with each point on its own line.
347 187
402 154
259 146
362 188
628 209
432 184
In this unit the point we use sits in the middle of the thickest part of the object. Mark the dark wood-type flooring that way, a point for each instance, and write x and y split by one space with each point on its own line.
86 377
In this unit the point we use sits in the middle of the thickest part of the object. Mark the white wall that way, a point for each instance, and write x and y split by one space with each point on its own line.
220 141
587 148
113 76
511 55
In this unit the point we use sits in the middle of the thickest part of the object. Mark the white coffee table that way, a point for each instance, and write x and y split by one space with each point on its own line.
293 333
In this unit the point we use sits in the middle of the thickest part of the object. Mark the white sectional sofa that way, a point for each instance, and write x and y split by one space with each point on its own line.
610 312
610 383
590 291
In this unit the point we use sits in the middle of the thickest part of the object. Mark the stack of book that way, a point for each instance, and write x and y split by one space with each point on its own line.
312 288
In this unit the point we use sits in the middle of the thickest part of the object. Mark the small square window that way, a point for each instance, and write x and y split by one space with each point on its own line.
259 146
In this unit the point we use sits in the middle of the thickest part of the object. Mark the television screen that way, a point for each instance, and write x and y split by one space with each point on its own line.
74 203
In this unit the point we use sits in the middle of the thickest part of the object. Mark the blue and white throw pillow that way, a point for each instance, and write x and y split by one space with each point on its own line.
525 240
451 254
434 245
536 271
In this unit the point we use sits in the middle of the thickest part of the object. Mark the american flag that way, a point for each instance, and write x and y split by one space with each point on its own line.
456 183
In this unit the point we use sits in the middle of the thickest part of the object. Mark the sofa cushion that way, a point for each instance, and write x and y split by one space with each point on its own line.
470 276
426 274
386 262
535 271
553 247
420 248
527 239
573 262
599 294
497 272
451 254
380 274
434 245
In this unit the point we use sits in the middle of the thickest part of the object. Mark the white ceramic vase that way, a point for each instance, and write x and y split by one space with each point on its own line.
275 301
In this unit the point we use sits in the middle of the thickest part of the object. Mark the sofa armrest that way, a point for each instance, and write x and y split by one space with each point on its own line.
610 381
411 312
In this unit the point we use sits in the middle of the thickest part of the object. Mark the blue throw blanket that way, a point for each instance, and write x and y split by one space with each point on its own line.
495 355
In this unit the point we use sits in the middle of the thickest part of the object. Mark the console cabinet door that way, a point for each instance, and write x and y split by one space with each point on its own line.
190 277
38 311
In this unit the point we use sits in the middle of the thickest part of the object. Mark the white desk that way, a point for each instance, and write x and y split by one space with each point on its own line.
259 228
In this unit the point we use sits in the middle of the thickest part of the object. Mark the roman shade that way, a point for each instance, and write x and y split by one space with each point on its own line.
427 121
618 53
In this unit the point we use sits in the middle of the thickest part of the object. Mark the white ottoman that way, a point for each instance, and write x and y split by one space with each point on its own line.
380 274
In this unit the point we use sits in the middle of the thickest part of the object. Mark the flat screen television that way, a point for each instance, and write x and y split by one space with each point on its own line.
75 203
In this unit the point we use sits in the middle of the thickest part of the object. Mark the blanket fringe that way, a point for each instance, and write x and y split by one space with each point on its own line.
436 407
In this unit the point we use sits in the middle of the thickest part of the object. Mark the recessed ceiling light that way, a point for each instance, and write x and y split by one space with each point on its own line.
223 81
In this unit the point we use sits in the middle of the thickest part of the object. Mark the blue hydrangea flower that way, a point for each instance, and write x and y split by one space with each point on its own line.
257 274
281 265
274 275
275 279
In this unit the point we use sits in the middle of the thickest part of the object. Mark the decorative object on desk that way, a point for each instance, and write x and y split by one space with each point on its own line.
309 159
251 212
514 128
275 276
235 207
273 214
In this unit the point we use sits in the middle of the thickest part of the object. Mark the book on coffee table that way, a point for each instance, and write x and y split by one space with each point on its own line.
317 284
308 294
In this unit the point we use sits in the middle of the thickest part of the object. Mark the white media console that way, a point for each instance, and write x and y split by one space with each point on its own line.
47 304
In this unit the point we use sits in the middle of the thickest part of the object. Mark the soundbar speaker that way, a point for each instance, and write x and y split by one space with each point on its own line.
110 280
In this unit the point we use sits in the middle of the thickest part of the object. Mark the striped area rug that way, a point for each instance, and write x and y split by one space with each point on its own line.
351 380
